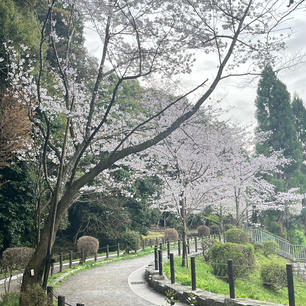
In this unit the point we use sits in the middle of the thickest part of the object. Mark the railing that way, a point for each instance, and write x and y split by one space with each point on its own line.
286 249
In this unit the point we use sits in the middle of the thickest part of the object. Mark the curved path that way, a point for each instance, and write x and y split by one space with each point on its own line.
116 284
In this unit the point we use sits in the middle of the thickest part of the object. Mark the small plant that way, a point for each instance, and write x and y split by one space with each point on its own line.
270 248
87 245
203 231
274 275
171 234
236 235
35 296
170 297
191 300
130 241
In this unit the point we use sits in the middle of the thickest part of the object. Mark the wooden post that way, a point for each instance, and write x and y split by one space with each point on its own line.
107 251
193 274
161 246
172 271
150 243
52 266
168 249
60 300
156 241
179 247
155 258
61 262
188 247
195 244
70 259
290 285
95 256
143 244
118 250
50 294
160 262
231 278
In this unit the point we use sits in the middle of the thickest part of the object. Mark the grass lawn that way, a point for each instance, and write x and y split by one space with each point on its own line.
248 287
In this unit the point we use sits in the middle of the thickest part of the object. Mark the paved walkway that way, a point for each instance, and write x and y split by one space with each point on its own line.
116 284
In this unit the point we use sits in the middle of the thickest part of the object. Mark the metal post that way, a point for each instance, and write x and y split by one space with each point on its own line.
172 271
118 250
61 262
179 247
95 256
195 244
50 293
107 251
60 300
290 285
231 278
193 274
70 259
155 258
160 262
161 246
168 249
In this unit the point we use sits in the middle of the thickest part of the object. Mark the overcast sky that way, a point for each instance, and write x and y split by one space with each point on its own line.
239 95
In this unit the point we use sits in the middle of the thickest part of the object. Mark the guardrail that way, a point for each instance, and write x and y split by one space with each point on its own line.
286 249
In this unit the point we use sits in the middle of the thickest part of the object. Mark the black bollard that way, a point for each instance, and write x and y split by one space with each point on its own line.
193 274
195 244
168 249
161 246
155 258
231 278
160 262
60 300
50 293
172 271
290 285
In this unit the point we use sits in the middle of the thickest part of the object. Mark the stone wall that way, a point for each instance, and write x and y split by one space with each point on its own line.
299 269
204 298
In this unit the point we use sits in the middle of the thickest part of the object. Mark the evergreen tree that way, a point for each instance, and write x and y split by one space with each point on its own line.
275 114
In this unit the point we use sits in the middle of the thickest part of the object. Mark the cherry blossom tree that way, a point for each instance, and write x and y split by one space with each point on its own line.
246 180
139 39
189 163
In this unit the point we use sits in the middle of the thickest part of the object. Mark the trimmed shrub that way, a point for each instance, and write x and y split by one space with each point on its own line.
16 258
203 231
274 275
130 241
270 248
214 229
236 235
171 234
88 245
206 244
242 256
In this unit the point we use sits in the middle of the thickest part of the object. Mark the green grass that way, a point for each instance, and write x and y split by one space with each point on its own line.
248 287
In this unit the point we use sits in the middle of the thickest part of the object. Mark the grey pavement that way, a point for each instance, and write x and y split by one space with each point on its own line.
116 284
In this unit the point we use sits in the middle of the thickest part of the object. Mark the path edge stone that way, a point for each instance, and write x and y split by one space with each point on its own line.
162 284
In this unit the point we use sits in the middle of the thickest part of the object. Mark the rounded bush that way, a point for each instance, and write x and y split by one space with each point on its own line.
270 248
236 235
241 255
130 241
203 231
171 234
214 229
274 275
88 245
16 258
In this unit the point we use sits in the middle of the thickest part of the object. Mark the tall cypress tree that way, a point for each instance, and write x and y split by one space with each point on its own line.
275 114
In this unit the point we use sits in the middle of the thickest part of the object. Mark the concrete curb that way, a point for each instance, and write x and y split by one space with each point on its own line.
204 298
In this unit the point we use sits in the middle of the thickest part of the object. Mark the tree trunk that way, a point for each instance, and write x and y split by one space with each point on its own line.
184 234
